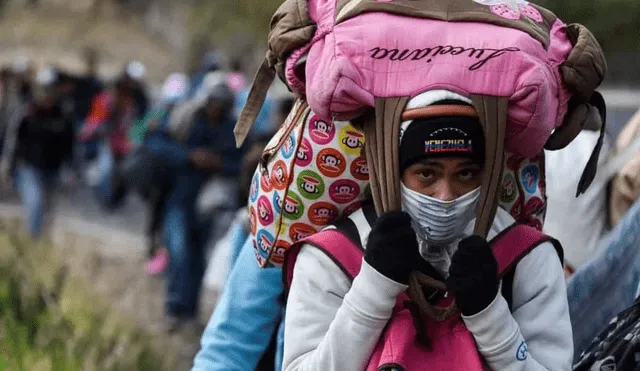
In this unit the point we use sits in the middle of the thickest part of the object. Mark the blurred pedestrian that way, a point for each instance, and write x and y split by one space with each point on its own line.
133 76
149 174
112 115
44 141
88 86
198 141
211 62
245 330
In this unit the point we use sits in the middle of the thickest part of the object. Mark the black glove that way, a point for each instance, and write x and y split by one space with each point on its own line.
473 275
392 247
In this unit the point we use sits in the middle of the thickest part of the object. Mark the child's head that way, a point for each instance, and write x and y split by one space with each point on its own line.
441 163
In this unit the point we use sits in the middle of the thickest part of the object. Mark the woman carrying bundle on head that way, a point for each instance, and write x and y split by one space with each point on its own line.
341 309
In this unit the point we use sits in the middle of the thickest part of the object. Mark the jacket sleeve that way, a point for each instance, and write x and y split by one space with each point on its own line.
331 324
245 318
537 335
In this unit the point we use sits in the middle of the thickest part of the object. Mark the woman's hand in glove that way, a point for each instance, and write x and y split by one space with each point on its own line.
473 275
392 247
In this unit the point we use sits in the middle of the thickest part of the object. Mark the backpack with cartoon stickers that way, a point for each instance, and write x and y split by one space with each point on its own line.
311 173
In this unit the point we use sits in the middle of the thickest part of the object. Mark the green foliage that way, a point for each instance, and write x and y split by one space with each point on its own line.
224 19
615 23
50 321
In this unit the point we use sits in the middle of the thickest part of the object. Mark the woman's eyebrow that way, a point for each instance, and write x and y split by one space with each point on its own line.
429 162
468 162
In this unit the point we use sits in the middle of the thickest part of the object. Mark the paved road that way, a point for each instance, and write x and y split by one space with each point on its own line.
79 211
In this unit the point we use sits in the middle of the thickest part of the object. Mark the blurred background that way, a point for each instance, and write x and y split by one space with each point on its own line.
83 288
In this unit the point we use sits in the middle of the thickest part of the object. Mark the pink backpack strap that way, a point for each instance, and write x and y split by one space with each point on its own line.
344 252
513 244
517 241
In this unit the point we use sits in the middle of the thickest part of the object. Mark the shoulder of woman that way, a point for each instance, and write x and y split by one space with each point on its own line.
544 254
314 266
540 270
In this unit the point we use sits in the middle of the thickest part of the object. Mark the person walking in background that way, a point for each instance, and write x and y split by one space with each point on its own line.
133 76
112 115
44 141
173 91
14 107
211 62
245 330
23 76
88 86
158 185
198 142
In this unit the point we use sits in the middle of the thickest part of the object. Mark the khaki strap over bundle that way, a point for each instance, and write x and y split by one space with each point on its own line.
257 95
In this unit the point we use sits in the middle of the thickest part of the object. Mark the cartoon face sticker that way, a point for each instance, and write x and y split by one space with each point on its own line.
509 189
529 177
293 207
288 147
265 184
331 162
264 241
304 155
351 140
322 213
265 212
299 231
277 202
277 256
255 184
310 185
253 222
535 206
279 177
344 191
360 169
351 208
321 131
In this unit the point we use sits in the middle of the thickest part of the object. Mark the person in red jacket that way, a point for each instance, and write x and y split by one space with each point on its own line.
111 115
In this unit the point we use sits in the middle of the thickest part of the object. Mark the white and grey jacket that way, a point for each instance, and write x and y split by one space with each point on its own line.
333 324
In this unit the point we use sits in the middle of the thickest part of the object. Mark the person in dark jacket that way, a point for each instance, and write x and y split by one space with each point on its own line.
208 150
45 139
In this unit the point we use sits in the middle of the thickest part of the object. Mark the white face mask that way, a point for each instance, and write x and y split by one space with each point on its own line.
439 222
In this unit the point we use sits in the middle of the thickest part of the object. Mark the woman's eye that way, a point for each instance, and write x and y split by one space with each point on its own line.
467 175
425 174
